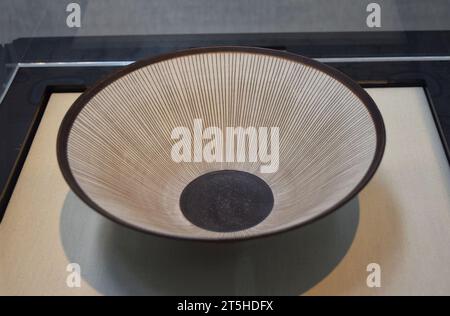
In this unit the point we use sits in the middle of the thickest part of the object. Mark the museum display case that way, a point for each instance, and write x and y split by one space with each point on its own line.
225 147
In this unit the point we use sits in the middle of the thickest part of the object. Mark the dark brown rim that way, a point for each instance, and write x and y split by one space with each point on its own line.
69 118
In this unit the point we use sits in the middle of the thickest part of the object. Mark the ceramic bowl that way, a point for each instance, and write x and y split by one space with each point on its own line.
221 143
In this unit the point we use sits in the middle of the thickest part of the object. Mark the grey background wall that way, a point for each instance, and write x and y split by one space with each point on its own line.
36 18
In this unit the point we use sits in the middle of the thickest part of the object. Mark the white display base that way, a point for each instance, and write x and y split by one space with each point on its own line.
400 221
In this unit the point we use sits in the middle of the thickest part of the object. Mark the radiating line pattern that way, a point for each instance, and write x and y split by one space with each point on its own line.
118 148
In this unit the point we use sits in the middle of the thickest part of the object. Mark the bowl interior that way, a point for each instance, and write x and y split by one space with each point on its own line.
307 133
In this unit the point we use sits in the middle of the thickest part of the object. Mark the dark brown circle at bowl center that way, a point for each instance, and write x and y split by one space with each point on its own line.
226 201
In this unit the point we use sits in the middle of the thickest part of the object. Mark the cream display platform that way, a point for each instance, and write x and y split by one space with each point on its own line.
400 222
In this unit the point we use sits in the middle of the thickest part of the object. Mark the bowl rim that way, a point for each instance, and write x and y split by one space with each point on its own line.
86 96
